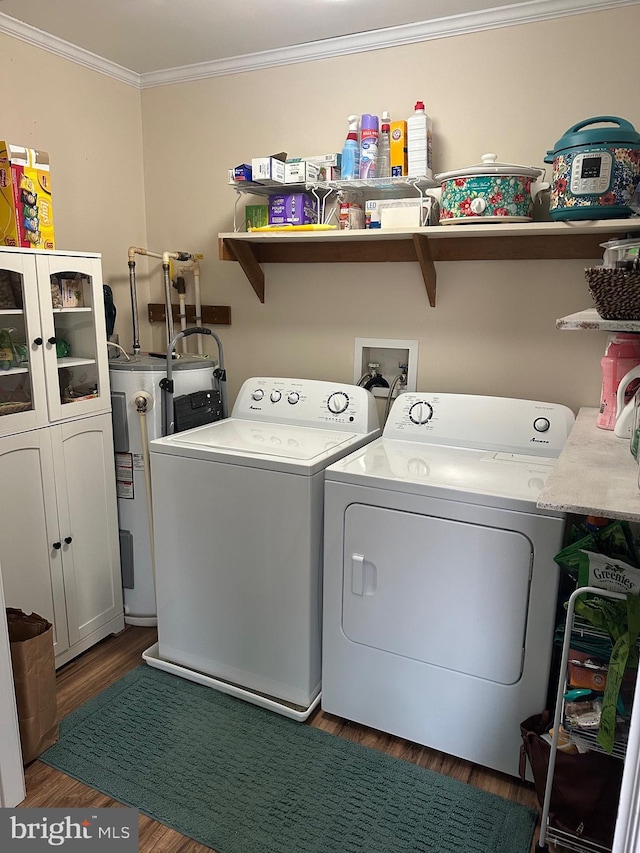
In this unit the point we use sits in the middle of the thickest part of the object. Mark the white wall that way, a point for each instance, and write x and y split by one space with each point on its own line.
513 90
91 126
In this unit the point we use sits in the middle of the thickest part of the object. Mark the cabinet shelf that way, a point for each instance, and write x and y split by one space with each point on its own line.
426 246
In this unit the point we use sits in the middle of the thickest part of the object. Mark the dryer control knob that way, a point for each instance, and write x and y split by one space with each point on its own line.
541 424
258 394
293 397
420 413
338 402
275 395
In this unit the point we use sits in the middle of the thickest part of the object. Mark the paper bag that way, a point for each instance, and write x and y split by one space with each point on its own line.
34 675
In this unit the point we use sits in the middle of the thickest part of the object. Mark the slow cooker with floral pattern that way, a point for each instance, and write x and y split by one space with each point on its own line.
489 192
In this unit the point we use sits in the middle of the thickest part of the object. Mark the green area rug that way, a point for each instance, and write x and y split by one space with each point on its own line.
241 779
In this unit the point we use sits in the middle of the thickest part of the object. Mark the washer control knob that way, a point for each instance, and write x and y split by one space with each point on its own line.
293 397
338 402
541 424
420 413
275 396
258 394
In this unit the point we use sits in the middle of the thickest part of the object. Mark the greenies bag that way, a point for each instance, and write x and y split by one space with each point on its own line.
607 573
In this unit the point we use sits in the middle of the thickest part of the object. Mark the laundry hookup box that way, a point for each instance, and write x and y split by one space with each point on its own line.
25 186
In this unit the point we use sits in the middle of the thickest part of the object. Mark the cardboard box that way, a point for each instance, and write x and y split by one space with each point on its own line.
256 216
299 171
292 209
401 212
72 292
267 170
243 172
328 166
25 186
350 216
398 148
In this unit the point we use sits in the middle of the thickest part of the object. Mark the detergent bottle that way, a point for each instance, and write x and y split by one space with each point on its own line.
350 168
621 355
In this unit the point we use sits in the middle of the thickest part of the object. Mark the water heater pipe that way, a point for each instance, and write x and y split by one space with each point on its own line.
132 252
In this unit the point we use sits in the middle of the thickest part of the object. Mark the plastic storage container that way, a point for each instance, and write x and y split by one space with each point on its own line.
621 355
419 143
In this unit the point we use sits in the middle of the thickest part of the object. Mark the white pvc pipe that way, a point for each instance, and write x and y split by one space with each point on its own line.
196 293
144 435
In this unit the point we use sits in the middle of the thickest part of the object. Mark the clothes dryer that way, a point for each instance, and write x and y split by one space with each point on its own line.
439 581
238 513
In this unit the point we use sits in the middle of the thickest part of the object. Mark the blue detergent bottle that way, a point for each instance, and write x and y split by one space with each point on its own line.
350 167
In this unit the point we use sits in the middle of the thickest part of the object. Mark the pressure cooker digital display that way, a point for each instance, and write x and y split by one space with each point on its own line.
591 173
590 167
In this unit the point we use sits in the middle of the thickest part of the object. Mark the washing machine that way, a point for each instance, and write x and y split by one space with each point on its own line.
238 511
440 587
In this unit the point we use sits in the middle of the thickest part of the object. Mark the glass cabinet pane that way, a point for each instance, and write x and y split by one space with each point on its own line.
75 336
15 352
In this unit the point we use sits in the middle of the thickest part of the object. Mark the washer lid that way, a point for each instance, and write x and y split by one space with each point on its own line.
500 479
261 444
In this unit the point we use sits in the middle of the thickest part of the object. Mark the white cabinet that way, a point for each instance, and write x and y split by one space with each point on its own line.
53 302
59 542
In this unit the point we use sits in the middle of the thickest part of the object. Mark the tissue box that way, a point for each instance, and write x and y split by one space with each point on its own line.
328 166
292 209
25 186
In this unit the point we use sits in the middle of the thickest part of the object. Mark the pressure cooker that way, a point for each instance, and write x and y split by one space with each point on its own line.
595 170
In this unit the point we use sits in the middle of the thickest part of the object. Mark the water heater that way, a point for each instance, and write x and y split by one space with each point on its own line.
141 375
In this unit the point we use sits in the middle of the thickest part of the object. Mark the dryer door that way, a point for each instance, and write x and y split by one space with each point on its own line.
444 592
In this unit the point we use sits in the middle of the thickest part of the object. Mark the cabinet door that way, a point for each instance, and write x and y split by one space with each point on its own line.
23 402
73 326
31 565
87 511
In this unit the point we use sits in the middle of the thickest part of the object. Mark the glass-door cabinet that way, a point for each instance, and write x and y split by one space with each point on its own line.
53 359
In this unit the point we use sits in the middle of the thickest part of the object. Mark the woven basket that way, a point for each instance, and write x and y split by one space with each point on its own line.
11 408
616 293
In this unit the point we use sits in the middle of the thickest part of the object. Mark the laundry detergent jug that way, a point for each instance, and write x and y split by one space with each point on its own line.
621 356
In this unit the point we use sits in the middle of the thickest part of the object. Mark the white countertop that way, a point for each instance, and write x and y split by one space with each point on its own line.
595 474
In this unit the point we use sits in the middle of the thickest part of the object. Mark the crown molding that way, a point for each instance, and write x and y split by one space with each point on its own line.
454 25
25 32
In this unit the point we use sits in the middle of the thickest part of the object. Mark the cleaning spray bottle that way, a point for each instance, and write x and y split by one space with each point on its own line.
384 147
368 146
350 168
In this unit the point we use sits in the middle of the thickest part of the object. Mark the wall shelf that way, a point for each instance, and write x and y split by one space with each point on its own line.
595 474
425 246
590 319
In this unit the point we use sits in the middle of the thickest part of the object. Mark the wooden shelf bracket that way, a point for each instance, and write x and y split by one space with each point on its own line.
427 267
245 255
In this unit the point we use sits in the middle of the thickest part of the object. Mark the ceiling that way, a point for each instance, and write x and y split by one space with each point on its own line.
146 36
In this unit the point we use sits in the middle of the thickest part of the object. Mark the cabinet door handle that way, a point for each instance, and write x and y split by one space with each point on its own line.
52 341
68 540
37 342
57 545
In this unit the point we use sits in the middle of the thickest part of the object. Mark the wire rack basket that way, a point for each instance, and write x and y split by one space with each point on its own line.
615 292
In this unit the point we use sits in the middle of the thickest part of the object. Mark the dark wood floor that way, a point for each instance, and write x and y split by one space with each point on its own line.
109 660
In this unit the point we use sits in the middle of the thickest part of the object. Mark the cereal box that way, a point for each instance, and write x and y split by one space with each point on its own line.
25 187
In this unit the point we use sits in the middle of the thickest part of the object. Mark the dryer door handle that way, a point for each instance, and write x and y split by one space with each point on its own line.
364 575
